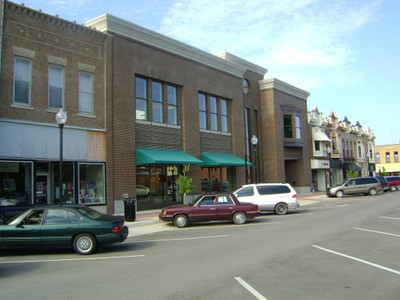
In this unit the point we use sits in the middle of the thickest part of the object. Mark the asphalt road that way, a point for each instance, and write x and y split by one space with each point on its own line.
334 249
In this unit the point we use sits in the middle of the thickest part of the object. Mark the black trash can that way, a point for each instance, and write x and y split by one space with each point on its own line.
130 209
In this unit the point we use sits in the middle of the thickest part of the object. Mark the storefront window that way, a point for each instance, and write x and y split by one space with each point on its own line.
91 184
68 191
16 183
215 180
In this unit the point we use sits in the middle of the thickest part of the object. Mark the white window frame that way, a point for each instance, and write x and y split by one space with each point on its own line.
55 81
22 76
85 93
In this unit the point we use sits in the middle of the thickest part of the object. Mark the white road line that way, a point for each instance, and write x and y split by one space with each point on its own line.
68 259
359 260
390 218
179 239
380 232
343 205
250 289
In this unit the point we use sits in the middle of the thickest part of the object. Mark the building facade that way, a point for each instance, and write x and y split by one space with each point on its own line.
387 159
140 107
339 147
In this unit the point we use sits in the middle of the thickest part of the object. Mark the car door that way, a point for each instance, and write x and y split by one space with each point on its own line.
25 231
246 194
59 225
205 210
351 187
225 207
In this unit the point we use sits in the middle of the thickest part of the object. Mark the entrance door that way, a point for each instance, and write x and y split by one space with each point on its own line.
42 189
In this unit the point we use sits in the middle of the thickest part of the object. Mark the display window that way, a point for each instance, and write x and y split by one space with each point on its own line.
67 191
91 183
16 183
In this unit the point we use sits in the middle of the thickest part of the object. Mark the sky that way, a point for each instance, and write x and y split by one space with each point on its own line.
345 53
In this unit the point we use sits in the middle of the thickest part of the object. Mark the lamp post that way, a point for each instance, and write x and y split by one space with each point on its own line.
61 119
254 141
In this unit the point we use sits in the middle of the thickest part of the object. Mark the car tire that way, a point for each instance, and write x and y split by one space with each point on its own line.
239 218
372 192
281 209
181 221
393 188
339 194
84 244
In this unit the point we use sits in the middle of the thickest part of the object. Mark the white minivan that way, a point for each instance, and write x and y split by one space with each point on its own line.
276 197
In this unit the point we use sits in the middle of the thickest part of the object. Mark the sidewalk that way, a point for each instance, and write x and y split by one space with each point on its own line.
147 221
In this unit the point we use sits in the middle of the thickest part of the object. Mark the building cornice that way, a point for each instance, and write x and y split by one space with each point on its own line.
243 63
111 24
273 83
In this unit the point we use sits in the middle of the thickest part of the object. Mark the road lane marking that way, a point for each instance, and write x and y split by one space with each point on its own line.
390 218
69 259
250 289
380 232
359 260
179 239
343 205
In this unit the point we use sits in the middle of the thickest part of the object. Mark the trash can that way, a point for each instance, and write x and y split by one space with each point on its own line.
130 209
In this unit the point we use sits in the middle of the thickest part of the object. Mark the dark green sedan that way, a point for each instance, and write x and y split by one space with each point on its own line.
67 226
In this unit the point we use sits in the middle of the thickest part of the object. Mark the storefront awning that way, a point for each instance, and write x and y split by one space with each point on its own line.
320 136
353 166
222 160
164 157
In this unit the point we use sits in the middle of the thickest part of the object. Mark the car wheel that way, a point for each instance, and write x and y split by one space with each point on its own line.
84 243
281 209
181 221
393 188
239 218
339 194
372 192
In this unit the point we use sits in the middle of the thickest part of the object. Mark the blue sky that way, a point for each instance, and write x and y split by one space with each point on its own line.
345 53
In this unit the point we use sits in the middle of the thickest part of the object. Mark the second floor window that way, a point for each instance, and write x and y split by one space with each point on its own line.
202 111
213 113
22 81
85 93
141 98
156 101
396 156
157 104
387 157
56 86
292 126
172 105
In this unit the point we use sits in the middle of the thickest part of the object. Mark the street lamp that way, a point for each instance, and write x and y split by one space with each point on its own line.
254 141
61 119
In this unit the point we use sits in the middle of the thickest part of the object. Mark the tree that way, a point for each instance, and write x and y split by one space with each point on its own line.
184 183
350 173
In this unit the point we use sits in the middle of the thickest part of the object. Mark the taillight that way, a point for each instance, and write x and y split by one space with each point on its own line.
116 229
294 196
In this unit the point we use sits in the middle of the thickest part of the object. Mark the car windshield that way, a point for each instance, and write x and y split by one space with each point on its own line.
90 213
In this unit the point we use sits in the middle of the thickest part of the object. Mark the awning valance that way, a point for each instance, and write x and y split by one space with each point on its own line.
222 160
320 136
146 156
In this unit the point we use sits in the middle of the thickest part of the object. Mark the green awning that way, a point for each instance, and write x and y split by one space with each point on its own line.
164 157
222 160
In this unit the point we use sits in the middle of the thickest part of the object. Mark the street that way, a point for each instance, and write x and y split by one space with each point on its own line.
335 249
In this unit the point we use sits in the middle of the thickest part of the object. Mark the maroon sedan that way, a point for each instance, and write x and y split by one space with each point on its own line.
210 207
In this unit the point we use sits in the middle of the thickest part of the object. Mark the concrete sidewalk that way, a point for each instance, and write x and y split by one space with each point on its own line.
147 221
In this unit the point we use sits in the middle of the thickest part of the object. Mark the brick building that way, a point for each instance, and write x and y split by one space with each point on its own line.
140 106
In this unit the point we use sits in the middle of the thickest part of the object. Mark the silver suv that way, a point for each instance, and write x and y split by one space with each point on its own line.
276 197
353 186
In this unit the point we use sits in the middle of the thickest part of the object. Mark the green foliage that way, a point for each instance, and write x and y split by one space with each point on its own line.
350 173
383 172
184 183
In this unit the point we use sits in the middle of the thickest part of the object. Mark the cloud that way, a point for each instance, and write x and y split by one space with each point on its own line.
303 38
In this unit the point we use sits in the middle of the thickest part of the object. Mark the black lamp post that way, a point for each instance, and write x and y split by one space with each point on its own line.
254 141
61 119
